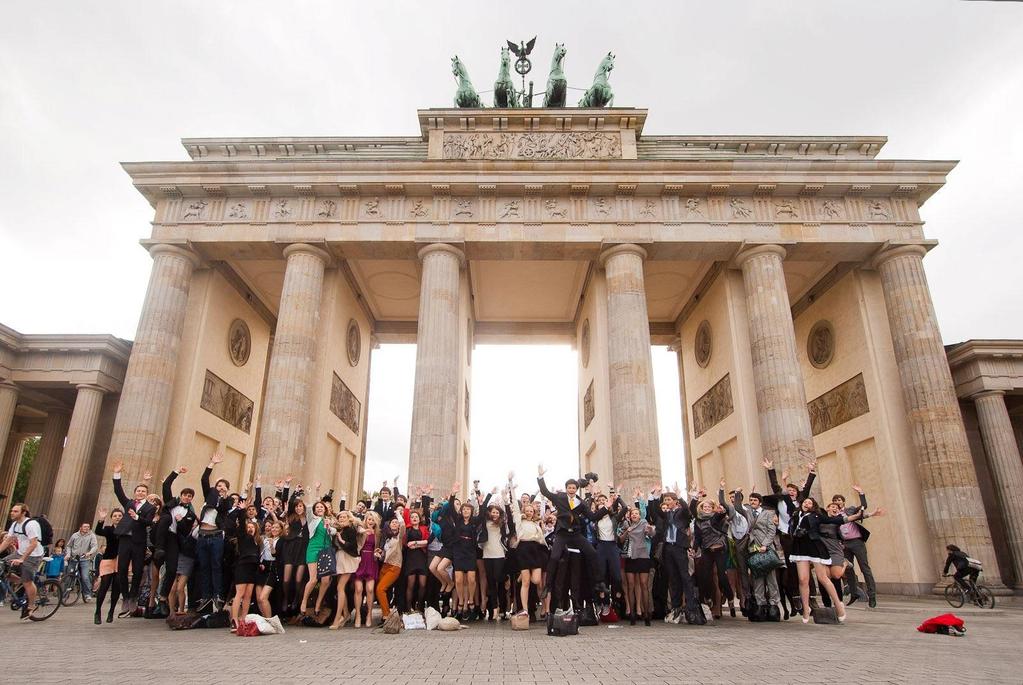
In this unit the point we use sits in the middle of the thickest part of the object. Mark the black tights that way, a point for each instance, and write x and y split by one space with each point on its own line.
293 585
106 583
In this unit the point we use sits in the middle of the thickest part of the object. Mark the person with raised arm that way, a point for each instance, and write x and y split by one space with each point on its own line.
569 532
132 531
465 522
108 581
175 526
414 562
347 561
212 520
531 552
635 535
763 535
674 520
854 540
738 545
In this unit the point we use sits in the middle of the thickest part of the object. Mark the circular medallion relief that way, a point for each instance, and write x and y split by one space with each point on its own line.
702 345
820 345
584 343
239 342
354 343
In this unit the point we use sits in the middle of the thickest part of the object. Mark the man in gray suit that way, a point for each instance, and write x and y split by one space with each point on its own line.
763 529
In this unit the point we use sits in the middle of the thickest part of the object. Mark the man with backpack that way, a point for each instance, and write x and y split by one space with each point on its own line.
26 535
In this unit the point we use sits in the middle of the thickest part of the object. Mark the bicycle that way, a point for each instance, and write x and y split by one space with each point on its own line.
48 592
71 583
957 593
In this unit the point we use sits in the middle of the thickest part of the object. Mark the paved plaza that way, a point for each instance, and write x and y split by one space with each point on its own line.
875 646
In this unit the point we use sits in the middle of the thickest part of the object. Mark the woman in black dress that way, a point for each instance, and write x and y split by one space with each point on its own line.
465 524
417 537
246 570
108 564
809 551
291 555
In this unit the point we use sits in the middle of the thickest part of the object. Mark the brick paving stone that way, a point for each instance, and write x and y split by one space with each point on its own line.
874 646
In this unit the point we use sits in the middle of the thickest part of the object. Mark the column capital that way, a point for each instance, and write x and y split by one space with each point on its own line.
889 253
306 248
176 250
624 248
987 393
751 252
442 247
90 386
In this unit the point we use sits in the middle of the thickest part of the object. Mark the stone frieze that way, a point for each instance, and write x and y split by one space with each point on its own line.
533 145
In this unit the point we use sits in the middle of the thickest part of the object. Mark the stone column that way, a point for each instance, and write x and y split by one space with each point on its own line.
46 463
948 481
284 427
8 401
11 464
433 447
635 453
71 477
1006 468
785 434
144 408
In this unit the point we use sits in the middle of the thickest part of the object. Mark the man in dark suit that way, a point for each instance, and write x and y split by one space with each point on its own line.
174 526
572 514
131 531
675 522
384 506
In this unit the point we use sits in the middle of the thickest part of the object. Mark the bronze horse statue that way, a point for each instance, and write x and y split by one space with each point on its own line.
600 93
557 84
465 95
504 87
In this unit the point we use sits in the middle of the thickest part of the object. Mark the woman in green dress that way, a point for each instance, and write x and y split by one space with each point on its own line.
321 529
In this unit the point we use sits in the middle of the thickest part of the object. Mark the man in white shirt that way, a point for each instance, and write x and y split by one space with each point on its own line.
26 536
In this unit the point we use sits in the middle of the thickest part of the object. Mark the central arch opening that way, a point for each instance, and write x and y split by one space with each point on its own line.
523 411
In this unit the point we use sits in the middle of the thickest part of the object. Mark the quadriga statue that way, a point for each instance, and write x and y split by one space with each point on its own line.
504 87
600 93
465 95
557 84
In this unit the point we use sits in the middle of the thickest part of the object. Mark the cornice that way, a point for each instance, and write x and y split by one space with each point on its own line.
970 350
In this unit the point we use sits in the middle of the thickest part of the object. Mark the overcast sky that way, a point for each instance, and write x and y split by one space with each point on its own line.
85 85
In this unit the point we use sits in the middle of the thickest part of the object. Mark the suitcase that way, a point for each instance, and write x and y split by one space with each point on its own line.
560 625
520 622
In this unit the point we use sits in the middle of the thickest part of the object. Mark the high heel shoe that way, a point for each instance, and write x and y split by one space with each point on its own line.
806 619
632 619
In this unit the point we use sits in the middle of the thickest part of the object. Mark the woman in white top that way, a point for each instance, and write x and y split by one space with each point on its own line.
532 550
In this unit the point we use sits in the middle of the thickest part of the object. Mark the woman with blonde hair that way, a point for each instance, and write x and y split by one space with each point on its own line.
369 567
531 553
348 559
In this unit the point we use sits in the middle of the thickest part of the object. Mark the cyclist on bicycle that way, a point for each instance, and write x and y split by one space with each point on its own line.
967 569
25 535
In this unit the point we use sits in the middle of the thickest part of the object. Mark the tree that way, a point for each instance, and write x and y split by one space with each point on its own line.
28 456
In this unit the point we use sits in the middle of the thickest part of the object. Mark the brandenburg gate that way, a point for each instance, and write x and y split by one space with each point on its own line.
785 272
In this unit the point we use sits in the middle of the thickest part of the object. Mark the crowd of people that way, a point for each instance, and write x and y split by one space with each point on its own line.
318 559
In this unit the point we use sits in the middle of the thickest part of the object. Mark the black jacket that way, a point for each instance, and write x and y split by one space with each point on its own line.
570 520
680 516
214 501
129 527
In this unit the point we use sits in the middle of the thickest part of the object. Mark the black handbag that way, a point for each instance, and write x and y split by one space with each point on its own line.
588 616
560 625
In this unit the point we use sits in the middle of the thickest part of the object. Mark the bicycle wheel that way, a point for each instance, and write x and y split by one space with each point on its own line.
72 593
955 596
985 598
48 599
